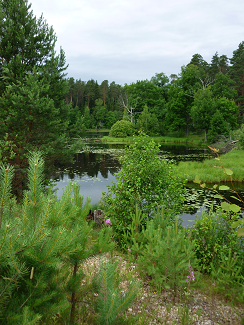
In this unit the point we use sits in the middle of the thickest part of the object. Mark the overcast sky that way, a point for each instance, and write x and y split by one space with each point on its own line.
129 40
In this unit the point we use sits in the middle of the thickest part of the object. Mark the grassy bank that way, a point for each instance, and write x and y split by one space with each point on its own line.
193 139
207 171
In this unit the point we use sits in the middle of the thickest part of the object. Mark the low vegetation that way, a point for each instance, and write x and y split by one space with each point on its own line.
57 268
208 169
196 140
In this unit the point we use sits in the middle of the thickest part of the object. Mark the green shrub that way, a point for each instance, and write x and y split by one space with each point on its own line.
214 237
145 180
122 129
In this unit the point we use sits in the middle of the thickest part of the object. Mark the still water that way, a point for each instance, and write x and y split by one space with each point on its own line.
96 165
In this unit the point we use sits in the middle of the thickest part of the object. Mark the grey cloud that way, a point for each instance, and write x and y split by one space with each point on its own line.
129 40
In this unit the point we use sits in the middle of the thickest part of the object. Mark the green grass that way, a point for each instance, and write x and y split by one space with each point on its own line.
207 171
108 139
197 140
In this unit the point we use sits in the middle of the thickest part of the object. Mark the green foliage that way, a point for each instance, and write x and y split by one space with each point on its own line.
42 242
76 122
151 93
147 122
228 109
177 115
228 273
6 176
133 235
110 119
87 118
236 74
223 87
160 79
170 103
146 181
203 109
33 113
100 112
6 149
213 236
226 205
218 126
111 300
122 129
163 251
197 60
219 65
239 135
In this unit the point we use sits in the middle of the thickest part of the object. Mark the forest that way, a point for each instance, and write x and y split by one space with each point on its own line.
203 97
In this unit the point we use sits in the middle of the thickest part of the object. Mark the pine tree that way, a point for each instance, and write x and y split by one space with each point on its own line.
33 113
110 301
164 252
40 244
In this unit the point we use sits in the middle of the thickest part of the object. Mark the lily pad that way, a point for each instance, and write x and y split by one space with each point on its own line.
217 196
223 188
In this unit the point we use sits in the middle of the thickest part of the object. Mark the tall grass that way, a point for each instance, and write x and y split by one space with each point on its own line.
208 172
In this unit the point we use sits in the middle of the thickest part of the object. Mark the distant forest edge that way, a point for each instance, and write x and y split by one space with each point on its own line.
204 96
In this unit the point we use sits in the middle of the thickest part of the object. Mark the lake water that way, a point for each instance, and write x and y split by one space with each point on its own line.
96 165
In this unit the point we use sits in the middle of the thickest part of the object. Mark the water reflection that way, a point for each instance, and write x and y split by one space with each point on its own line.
93 171
96 165
90 187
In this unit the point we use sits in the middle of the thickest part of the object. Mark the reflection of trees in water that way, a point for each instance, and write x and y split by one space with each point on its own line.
91 164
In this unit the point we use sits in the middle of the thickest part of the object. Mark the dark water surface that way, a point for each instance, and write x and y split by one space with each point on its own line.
96 167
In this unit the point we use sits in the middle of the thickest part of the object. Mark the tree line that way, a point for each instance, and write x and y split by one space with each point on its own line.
204 96
42 109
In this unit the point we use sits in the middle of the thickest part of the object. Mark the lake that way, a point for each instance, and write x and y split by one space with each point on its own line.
96 165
